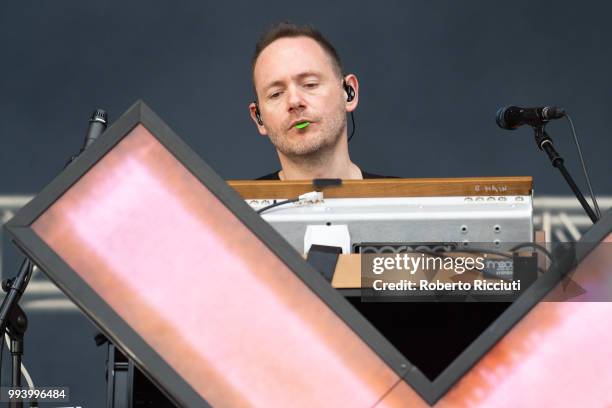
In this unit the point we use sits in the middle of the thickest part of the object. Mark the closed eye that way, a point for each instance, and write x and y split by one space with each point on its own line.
275 95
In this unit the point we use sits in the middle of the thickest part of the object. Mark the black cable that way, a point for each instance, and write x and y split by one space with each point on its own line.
266 208
352 131
1 354
584 169
484 251
492 252
533 245
511 251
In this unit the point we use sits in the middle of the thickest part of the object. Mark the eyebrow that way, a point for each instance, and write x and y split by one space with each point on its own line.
299 76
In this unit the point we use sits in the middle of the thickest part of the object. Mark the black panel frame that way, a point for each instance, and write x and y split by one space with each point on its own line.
121 334
153 366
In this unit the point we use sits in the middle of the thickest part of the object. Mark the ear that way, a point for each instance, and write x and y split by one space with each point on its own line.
261 128
352 81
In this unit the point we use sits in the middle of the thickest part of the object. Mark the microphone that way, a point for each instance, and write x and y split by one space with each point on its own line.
512 117
97 125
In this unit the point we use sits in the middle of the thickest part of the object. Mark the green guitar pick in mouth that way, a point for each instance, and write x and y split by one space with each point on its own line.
302 125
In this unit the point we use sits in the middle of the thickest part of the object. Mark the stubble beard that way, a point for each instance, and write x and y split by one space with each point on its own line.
311 147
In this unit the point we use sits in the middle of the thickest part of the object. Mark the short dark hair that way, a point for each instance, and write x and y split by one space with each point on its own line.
287 29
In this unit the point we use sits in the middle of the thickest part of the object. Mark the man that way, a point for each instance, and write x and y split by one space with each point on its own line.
302 99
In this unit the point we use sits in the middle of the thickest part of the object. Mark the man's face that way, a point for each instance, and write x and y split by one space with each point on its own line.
295 82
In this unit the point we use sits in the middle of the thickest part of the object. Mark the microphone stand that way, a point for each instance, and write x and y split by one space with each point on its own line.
13 319
545 143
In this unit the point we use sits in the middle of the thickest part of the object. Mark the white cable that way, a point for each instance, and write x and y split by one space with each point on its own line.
311 197
24 370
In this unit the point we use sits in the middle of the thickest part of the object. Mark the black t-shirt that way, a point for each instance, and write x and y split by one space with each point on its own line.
274 176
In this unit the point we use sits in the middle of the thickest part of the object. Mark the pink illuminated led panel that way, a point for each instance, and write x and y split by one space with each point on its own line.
202 290
559 355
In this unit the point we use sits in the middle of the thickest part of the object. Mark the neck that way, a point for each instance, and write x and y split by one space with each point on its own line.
330 162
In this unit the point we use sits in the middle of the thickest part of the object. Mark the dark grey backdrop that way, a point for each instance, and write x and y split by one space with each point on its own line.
432 75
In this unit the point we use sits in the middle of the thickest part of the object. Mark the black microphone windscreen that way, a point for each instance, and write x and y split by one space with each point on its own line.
504 117
99 115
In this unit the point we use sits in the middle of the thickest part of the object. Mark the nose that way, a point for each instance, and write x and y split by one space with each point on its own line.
295 100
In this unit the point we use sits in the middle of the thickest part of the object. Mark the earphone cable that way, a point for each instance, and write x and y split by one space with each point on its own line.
353 130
